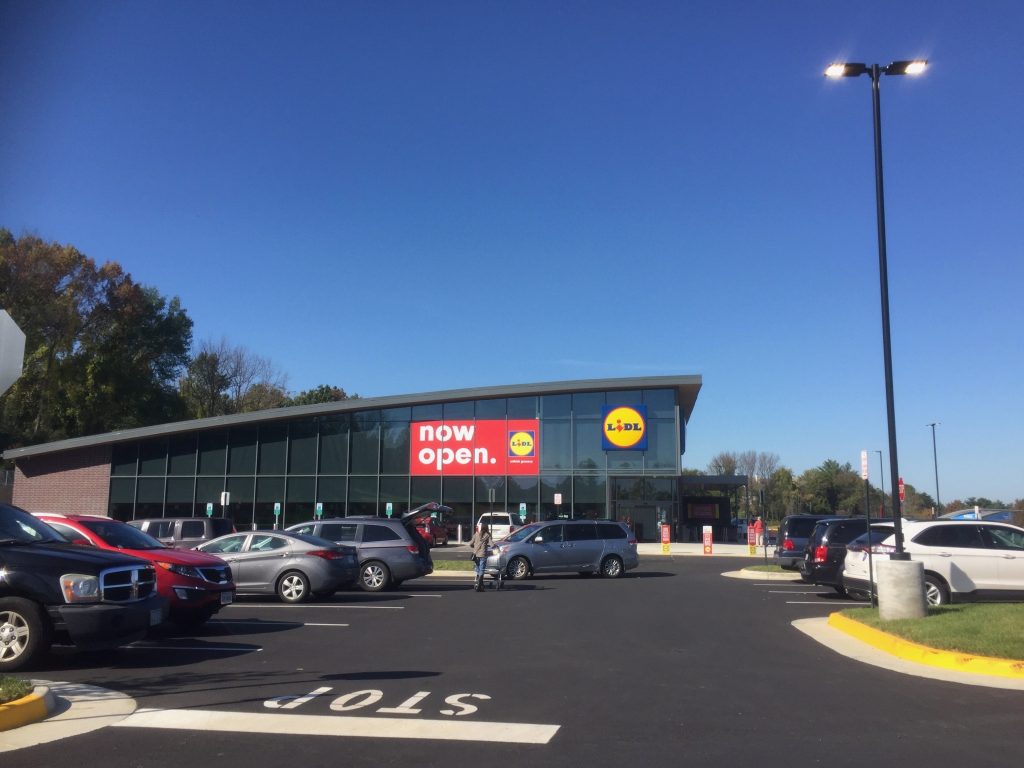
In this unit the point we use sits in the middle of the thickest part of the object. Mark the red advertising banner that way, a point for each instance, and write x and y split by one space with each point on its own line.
707 539
485 447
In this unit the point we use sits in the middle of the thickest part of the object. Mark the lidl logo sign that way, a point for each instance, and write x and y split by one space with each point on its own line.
484 447
624 428
522 444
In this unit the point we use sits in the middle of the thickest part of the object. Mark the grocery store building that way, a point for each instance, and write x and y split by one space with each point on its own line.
606 448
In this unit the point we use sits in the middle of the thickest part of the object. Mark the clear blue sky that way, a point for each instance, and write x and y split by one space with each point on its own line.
400 197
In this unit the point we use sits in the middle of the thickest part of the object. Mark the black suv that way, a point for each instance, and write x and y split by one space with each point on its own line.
52 590
826 550
794 530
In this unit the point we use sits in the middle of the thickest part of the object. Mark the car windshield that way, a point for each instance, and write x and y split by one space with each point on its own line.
19 526
122 535
522 533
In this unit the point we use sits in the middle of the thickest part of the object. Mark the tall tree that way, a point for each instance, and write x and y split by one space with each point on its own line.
321 394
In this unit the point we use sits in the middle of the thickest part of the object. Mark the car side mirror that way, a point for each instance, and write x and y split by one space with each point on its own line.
538 539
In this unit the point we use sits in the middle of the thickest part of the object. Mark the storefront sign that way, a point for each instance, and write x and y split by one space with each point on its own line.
707 539
486 447
624 428
666 538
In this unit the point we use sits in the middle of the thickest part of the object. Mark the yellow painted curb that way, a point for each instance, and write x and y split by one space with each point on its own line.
922 654
27 709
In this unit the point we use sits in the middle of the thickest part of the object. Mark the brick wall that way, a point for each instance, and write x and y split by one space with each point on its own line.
69 482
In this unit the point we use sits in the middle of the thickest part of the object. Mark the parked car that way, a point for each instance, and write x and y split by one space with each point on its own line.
51 590
964 560
430 524
294 566
195 584
500 524
827 548
996 515
858 565
559 546
791 539
390 551
184 532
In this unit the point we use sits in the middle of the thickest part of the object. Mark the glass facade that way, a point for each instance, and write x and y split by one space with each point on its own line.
358 462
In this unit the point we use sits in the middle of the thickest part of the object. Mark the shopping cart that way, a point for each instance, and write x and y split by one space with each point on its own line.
495 566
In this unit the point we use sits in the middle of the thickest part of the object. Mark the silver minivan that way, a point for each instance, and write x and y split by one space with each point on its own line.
558 546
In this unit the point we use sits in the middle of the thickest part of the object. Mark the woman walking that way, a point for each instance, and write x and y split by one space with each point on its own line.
481 544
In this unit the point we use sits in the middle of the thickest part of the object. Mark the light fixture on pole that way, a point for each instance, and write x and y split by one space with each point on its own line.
838 70
935 458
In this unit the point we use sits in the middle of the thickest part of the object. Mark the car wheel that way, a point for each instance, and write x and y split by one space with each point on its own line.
518 568
24 633
293 587
611 567
374 576
935 590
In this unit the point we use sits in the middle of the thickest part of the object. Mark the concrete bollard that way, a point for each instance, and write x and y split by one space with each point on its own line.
900 589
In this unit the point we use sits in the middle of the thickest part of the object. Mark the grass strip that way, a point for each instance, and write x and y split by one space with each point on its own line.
12 689
993 629
453 565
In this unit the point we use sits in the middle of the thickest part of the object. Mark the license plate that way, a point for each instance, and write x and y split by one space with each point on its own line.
227 597
156 615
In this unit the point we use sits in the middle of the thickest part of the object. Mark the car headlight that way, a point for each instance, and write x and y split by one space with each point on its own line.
80 588
181 570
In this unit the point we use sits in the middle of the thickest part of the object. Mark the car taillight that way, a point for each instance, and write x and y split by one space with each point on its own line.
788 545
326 554
413 548
820 554
632 542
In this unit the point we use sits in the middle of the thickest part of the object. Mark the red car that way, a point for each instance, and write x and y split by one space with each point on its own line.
195 584
435 534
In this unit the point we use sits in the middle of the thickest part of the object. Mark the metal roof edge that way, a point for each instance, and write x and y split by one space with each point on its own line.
687 385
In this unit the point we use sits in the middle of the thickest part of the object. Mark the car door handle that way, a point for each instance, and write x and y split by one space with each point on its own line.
1009 557
945 554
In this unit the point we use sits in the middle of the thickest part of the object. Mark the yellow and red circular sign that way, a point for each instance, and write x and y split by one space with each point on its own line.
625 427
521 443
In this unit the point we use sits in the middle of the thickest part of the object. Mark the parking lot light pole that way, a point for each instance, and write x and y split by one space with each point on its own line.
838 70
935 459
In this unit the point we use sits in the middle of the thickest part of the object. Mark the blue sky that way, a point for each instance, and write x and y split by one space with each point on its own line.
400 197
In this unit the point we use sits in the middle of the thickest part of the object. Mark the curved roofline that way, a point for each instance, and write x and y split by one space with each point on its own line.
687 387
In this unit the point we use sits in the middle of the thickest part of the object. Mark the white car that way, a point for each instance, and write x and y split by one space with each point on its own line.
858 569
501 524
964 560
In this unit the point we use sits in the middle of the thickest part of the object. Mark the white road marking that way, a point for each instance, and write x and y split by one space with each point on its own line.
340 725
140 647
819 602
317 605
241 622
793 592
310 624
426 595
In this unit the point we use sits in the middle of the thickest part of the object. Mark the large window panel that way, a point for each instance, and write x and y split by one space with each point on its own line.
362 495
587 404
302 448
461 411
523 407
242 451
365 444
334 446
587 447
521 490
182 455
556 406
588 497
661 403
457 493
662 450
273 447
491 409
332 493
550 487
424 489
179 496
150 500
555 445
208 490
269 491
300 497
242 490
213 452
429 412
395 490
153 457
395 449
125 460
122 498
482 487
625 461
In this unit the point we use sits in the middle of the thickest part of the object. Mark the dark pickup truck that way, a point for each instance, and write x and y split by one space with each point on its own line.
52 591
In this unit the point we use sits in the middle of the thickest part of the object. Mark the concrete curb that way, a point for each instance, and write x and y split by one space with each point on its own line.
747 573
28 709
921 654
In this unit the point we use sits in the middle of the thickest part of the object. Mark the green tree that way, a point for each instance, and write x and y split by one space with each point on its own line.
321 394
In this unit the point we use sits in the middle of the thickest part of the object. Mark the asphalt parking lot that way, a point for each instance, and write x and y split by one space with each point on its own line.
671 664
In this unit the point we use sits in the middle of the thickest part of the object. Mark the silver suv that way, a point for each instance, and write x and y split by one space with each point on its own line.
583 546
390 551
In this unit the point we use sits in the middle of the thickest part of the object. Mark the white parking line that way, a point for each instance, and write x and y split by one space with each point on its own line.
819 602
239 622
337 725
426 595
141 647
317 605
792 592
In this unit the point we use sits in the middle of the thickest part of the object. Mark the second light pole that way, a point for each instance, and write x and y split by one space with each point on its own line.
935 458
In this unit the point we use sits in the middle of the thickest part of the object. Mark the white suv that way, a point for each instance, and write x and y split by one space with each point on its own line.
501 524
966 560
